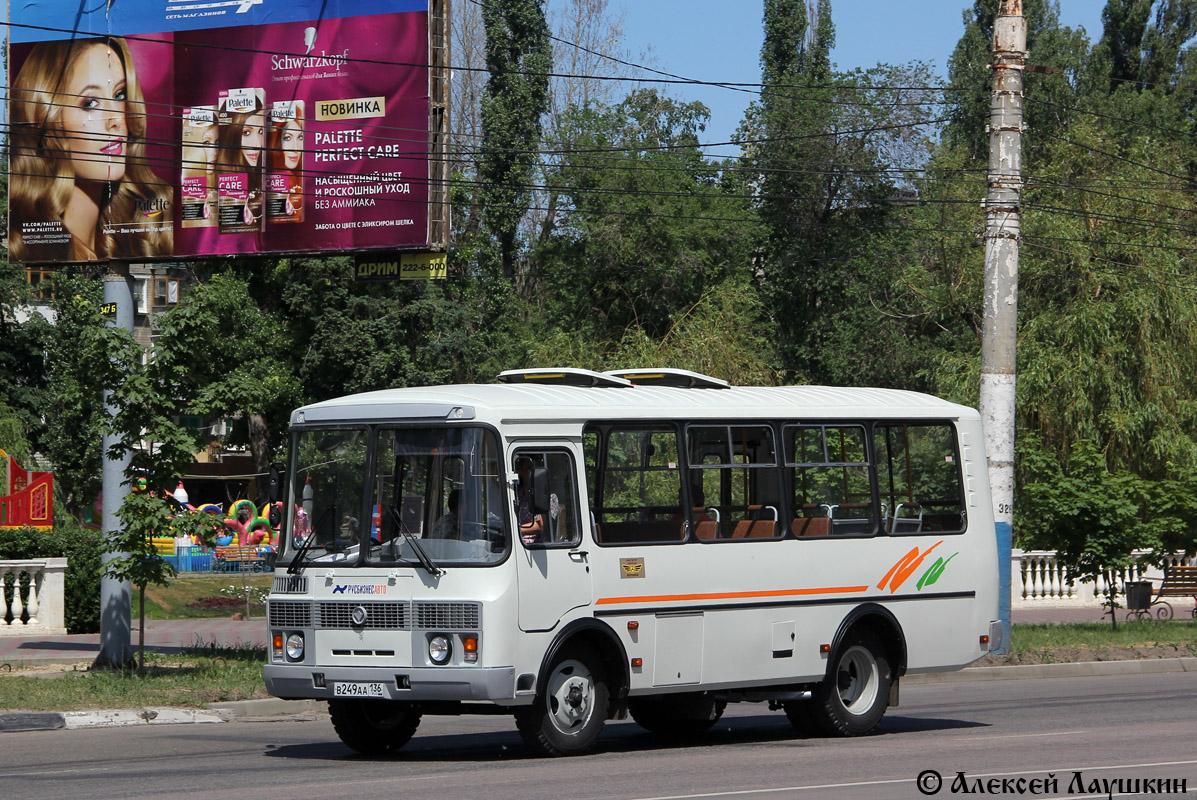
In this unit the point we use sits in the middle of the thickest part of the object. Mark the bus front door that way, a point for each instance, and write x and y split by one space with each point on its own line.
552 563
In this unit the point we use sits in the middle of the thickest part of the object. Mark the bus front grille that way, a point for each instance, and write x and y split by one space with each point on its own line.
391 616
448 616
290 614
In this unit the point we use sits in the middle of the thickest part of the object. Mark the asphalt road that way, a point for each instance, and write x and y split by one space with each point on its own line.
1138 727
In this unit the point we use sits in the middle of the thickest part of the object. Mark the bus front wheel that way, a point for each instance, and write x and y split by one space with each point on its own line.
373 727
569 713
853 698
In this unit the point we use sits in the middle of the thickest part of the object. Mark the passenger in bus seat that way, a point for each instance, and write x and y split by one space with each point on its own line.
448 526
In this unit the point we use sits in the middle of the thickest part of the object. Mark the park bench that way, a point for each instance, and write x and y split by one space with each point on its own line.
239 557
1178 582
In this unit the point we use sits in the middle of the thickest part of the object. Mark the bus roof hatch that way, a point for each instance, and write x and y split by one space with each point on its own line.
680 378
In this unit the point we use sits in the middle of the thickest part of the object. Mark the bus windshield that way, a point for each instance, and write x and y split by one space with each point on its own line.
435 497
328 495
439 491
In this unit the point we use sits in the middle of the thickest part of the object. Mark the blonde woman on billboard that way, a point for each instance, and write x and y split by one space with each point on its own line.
240 149
80 186
199 195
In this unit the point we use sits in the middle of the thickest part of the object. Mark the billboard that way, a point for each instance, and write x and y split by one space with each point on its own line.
170 129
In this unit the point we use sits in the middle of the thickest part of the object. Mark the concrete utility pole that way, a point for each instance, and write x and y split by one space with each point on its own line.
1000 327
116 647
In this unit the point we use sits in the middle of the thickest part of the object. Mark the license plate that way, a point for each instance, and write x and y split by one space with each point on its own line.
358 690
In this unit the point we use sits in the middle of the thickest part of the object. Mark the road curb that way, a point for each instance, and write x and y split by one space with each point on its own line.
270 707
1077 669
108 718
14 721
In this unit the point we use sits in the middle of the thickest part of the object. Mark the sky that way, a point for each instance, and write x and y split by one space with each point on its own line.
720 40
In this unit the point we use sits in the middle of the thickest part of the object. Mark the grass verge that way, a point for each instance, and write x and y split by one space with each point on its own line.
193 678
1097 641
184 597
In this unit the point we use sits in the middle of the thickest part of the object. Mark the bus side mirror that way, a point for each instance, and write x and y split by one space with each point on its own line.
276 482
539 491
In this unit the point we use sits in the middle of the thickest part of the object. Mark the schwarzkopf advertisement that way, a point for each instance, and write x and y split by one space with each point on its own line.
179 128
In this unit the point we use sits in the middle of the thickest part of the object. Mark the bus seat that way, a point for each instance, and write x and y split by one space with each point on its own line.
811 526
706 530
756 527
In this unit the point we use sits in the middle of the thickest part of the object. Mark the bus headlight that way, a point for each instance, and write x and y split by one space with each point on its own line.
295 647
439 650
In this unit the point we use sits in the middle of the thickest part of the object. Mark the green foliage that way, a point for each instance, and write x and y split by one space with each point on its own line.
218 354
75 415
648 226
22 360
82 547
519 57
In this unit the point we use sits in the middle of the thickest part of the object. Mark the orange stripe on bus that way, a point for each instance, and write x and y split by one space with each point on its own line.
666 598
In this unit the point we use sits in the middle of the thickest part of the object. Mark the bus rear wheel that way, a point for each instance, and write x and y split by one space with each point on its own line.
853 697
569 713
676 715
373 727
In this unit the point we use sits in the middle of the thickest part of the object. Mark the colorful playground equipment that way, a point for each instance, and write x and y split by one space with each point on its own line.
28 499
246 540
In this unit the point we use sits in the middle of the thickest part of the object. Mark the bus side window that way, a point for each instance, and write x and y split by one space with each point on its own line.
734 483
637 499
560 525
831 489
918 469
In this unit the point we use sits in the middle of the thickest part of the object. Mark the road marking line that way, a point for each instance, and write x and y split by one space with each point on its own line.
776 790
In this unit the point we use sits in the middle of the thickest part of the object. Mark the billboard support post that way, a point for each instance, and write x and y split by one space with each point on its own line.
438 151
116 648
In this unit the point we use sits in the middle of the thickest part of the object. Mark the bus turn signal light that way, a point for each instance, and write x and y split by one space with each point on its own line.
633 625
637 662
469 646
824 649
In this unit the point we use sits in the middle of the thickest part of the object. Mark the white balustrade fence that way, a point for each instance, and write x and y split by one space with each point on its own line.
1039 579
32 597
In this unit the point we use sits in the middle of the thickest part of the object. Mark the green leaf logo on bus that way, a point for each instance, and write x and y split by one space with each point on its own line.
908 563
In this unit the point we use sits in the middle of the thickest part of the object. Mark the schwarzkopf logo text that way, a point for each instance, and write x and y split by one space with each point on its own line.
310 62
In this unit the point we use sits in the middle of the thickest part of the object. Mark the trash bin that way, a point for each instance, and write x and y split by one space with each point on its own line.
1138 595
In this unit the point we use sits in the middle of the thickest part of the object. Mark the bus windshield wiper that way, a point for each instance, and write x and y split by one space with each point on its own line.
427 563
297 560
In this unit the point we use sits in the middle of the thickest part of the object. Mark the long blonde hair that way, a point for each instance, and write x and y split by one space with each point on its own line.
42 179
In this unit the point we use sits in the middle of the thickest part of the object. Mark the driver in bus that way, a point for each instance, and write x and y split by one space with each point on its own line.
447 526
532 526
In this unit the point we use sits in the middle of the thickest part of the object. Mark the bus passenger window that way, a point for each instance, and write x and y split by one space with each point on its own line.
638 487
832 492
735 469
919 473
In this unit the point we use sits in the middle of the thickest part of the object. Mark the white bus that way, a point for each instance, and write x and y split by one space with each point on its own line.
674 545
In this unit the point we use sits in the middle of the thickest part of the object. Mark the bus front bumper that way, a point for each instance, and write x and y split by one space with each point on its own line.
298 681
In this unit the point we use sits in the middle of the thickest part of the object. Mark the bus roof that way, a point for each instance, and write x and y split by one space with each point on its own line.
528 402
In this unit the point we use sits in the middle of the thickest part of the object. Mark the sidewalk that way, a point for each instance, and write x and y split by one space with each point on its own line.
173 635
161 635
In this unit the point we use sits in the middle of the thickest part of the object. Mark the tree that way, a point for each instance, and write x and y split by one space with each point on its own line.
223 354
74 409
1106 350
1095 518
22 351
146 398
647 225
519 59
